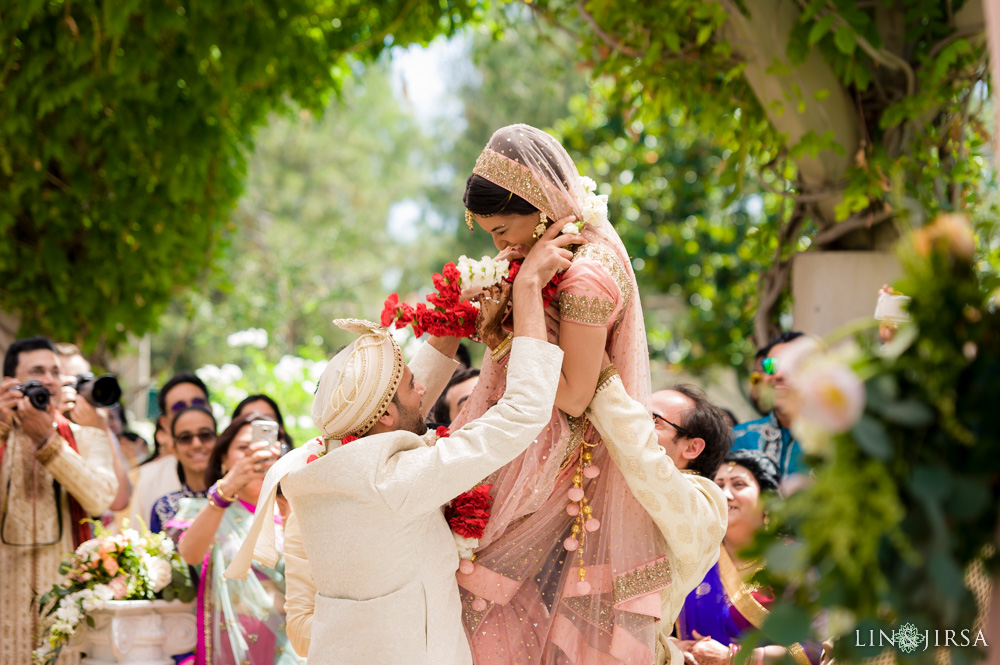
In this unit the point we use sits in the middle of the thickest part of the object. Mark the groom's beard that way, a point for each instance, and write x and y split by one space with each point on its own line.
410 420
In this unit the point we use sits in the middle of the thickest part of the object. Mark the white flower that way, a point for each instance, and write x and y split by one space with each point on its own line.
69 610
87 549
159 572
255 337
131 535
103 592
595 209
572 227
40 655
166 546
466 546
479 275
589 186
831 397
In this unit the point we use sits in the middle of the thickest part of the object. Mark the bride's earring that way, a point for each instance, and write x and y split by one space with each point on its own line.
540 227
469 221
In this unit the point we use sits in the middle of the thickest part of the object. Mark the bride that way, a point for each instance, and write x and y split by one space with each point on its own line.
569 569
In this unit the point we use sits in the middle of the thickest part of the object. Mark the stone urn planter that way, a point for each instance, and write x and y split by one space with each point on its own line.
140 632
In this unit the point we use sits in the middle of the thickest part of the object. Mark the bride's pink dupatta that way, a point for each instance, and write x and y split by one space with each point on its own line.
534 611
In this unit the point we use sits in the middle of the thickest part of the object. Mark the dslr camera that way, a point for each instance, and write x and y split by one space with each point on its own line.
37 394
99 390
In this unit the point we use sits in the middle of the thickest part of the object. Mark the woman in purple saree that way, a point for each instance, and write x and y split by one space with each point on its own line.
726 605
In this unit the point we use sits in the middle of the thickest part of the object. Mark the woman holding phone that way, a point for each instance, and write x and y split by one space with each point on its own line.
239 621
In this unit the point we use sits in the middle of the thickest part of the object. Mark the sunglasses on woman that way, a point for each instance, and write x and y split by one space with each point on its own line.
205 436
197 401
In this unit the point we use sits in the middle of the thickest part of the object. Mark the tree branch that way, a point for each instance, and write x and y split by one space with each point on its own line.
841 229
605 37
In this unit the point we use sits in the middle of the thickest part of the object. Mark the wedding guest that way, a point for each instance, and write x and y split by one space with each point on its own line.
727 603
454 396
772 434
158 476
193 431
53 474
72 363
669 463
239 621
266 406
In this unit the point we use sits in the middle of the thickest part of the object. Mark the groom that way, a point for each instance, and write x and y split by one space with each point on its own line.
370 559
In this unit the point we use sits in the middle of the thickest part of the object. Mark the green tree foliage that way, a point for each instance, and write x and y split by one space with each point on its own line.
905 502
124 131
857 113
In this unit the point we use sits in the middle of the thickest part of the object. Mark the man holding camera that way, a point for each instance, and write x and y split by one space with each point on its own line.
77 377
52 475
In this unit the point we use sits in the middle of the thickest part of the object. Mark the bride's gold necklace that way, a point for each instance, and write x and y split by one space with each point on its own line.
747 565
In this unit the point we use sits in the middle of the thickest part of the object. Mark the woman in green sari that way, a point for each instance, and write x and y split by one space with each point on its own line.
239 621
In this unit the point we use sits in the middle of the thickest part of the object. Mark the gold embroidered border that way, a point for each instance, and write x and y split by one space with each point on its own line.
640 581
740 594
609 261
512 176
799 654
605 377
582 606
577 428
585 309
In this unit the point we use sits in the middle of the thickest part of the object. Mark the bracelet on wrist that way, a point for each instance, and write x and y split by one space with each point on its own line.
733 650
222 493
217 499
500 353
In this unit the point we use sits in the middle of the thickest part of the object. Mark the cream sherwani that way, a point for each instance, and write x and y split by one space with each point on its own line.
690 511
370 560
31 514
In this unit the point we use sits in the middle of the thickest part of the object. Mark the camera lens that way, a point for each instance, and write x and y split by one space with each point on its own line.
106 391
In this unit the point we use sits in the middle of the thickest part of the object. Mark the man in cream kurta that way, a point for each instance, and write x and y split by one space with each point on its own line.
370 560
690 511
37 531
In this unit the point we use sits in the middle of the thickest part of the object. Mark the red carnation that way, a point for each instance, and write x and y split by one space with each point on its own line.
442 432
469 512
512 270
389 310
347 439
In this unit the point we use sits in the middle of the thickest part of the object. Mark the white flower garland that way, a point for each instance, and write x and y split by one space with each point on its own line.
482 274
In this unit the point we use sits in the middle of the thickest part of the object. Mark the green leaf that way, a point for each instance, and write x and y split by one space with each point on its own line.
909 413
871 437
820 28
844 40
787 624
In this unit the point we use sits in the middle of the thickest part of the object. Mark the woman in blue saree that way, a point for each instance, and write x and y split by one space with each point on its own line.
727 604
239 621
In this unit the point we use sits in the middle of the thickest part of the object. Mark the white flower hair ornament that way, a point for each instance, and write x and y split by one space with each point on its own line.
595 207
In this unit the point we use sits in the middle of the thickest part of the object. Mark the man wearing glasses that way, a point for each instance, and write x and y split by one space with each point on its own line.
669 462
158 476
771 434
52 475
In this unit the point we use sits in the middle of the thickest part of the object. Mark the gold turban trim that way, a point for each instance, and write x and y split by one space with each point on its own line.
359 382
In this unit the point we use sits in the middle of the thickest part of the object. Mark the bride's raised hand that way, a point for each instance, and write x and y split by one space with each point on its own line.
493 303
549 255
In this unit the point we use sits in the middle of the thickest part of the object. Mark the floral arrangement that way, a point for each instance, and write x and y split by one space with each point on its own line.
124 566
449 315
467 515
905 455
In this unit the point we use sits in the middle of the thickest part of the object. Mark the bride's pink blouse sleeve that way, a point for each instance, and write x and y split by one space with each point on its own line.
590 292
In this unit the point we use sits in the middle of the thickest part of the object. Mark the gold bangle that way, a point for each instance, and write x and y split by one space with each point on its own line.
218 488
604 378
503 348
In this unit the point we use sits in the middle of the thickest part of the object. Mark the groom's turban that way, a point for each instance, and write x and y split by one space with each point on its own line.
359 382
